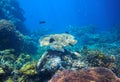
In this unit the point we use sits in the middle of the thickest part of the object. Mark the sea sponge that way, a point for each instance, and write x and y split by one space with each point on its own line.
58 41
97 74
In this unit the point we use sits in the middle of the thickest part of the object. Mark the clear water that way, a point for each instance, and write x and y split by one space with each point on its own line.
62 13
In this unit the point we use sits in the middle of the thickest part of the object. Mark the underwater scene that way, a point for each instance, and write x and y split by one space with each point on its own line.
59 40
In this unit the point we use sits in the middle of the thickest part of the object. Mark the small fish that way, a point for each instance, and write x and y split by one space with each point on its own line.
71 45
77 51
66 32
42 22
51 40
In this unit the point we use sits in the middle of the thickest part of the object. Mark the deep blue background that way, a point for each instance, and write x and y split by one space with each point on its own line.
59 14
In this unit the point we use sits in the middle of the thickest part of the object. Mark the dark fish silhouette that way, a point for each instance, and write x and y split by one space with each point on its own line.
71 44
42 22
66 32
51 40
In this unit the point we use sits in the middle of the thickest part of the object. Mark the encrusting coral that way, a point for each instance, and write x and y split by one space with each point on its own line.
58 41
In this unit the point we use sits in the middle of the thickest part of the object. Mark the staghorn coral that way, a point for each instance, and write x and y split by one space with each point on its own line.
97 74
57 41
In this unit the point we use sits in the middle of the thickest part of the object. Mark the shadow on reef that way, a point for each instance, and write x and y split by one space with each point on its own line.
10 38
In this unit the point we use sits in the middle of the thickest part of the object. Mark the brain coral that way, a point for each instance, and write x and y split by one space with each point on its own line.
98 74
58 41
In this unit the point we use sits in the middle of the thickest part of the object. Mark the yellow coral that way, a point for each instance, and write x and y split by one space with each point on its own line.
29 69
2 71
101 56
30 72
9 80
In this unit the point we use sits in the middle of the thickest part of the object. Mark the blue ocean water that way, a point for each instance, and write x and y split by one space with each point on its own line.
59 14
40 38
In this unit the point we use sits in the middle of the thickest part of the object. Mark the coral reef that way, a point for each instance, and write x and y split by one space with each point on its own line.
21 60
98 58
10 10
28 69
12 66
79 31
53 61
86 75
93 38
57 52
9 37
58 41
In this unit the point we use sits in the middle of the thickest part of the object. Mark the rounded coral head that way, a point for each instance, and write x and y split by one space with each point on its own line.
97 74
58 41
